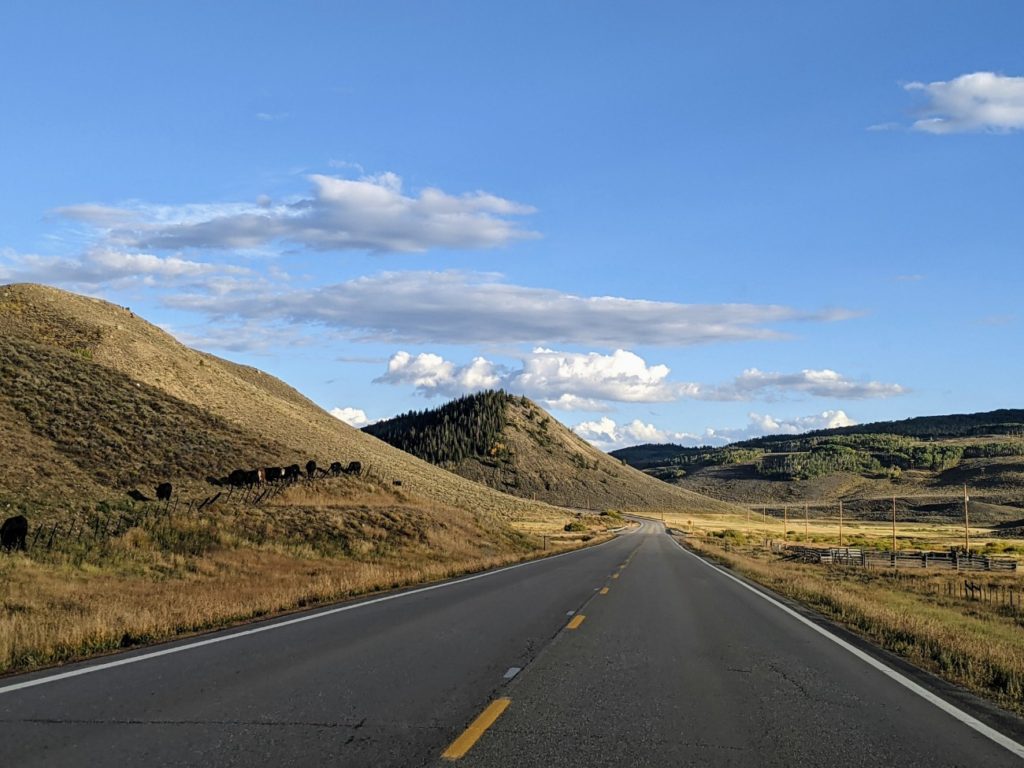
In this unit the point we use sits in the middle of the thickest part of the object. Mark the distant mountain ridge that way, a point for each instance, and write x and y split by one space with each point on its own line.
509 443
927 458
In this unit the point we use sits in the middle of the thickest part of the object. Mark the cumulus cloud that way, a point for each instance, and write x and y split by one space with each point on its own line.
759 425
567 380
368 214
432 375
456 307
354 417
104 266
607 435
589 381
980 101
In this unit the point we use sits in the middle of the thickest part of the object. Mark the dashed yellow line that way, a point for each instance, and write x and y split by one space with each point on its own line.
469 737
604 591
615 575
576 621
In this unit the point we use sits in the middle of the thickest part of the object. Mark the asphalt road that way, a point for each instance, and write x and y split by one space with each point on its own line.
674 664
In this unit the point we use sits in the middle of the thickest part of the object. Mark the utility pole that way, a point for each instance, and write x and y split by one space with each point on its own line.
764 521
840 522
894 525
967 532
785 523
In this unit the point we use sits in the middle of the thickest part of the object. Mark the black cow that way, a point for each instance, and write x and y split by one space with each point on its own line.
214 480
311 469
292 473
137 495
274 474
163 492
354 468
13 532
335 468
238 478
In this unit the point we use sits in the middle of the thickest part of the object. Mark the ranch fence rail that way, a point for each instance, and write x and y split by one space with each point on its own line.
867 558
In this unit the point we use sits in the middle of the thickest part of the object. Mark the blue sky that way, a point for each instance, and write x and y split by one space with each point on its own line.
667 221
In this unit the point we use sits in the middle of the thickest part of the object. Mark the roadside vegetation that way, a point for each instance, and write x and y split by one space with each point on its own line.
167 575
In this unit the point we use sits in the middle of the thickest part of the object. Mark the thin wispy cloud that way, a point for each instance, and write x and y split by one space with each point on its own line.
368 214
976 102
456 307
102 267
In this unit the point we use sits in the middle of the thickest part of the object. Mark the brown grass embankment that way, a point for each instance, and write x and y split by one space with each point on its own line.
916 614
169 576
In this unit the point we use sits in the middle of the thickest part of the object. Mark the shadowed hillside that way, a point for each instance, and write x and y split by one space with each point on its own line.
511 444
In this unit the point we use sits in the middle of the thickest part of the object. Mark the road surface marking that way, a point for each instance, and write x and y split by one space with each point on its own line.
615 575
971 722
512 672
471 735
604 591
576 621
569 613
283 623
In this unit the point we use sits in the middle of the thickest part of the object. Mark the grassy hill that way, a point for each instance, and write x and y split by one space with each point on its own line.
924 462
511 444
97 401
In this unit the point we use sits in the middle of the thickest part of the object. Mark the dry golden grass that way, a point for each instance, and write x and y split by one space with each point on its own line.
974 644
166 578
824 531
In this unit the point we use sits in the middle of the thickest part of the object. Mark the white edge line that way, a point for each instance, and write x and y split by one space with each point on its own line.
971 722
286 623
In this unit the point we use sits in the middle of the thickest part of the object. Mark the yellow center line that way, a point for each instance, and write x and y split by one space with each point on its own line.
469 737
615 575
576 621
604 591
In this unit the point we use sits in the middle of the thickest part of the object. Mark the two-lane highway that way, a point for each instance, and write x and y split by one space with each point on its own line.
634 652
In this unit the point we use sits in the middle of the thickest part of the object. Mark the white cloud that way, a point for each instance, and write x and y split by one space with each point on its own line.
105 266
621 376
765 424
558 379
354 417
753 384
588 381
433 375
980 101
456 307
607 435
368 214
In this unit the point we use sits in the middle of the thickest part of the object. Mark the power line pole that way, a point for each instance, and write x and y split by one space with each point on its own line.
785 523
894 525
967 532
840 522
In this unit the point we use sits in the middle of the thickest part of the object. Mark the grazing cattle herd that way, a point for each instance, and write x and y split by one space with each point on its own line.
14 530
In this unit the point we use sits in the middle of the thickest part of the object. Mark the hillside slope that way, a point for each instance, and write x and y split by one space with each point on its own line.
924 462
511 444
96 400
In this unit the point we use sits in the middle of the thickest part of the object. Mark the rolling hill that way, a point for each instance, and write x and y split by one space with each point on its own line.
924 462
511 444
96 401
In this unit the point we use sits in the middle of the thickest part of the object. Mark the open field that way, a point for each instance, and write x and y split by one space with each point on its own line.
914 613
824 529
